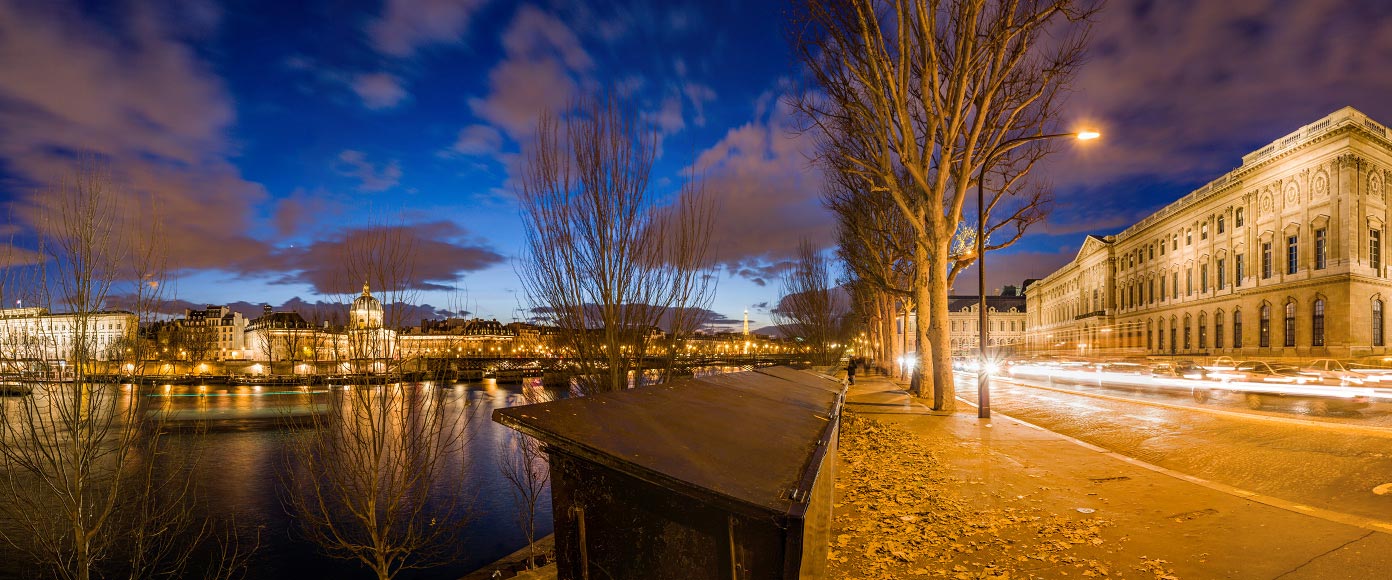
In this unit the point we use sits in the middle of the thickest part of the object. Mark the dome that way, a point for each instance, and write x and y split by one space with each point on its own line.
367 311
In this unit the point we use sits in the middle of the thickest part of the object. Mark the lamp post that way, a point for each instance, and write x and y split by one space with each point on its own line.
983 373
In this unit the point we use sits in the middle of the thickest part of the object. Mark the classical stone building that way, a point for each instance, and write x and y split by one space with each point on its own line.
1280 257
1005 316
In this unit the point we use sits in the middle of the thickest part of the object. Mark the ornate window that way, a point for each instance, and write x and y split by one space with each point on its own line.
1218 329
1264 327
1220 224
1162 334
1290 324
1203 331
1292 253
1189 282
1237 329
1174 285
1188 236
1317 324
1203 278
1239 271
1319 249
1237 217
1222 273
1203 231
1266 260
1375 251
1188 328
1377 322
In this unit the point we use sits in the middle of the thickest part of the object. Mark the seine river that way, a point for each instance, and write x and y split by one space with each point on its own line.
242 445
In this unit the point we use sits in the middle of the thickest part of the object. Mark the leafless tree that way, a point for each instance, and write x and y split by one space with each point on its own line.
812 308
914 96
371 481
522 461
606 262
875 242
89 486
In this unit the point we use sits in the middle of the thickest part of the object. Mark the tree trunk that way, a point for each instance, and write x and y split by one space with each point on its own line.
944 389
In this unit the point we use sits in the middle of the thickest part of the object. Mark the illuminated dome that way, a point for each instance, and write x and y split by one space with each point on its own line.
367 311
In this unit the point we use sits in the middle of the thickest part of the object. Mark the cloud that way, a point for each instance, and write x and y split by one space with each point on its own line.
543 60
407 25
379 90
301 210
698 94
133 94
371 178
316 311
1183 89
478 140
1013 269
767 194
439 253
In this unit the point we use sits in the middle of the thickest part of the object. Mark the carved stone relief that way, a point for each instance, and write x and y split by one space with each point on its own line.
1266 205
1375 186
1321 184
1292 194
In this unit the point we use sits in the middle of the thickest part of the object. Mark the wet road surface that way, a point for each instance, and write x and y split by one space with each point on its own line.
1338 463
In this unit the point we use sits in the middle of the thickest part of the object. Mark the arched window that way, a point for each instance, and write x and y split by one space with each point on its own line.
1096 303
1218 329
1317 324
1377 322
1237 329
1203 331
1150 335
1162 334
1188 326
1264 327
1174 334
1290 324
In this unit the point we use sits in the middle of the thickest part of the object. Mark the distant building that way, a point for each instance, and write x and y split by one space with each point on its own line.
1005 315
223 329
31 337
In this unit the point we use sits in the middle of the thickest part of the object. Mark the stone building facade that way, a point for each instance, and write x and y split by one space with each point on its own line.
1282 257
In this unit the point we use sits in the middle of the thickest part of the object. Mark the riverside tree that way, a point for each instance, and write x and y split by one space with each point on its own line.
93 485
369 481
913 96
811 308
607 261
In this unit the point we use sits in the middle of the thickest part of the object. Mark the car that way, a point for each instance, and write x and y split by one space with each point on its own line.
1178 370
1336 372
1264 372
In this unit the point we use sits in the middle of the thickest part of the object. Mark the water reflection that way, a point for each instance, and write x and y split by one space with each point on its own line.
238 437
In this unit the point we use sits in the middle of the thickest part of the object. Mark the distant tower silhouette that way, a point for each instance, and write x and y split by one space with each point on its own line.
746 323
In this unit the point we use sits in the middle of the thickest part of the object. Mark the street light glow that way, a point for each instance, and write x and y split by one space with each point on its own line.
1088 135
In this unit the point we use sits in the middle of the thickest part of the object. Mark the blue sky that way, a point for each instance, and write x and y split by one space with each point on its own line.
268 133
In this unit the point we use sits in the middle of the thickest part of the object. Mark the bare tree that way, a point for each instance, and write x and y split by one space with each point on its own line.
522 461
875 242
606 262
89 485
812 309
914 98
369 482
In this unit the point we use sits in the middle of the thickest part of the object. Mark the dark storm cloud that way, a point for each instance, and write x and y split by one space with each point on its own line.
440 252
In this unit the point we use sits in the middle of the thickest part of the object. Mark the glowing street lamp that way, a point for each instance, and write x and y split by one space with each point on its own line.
983 376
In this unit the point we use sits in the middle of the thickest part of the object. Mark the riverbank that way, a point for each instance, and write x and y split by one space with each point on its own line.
513 565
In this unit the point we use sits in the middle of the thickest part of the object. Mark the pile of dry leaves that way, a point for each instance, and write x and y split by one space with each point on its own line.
899 515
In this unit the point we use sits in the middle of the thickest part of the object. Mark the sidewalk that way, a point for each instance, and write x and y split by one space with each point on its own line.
926 494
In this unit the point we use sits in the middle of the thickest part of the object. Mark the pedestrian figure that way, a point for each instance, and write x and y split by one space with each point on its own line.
850 371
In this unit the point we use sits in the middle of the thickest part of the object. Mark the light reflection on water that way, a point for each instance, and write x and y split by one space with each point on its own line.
240 434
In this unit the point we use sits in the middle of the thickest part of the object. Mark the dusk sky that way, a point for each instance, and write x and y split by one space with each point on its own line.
270 132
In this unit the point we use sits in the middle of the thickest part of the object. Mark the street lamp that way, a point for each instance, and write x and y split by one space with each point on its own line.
983 375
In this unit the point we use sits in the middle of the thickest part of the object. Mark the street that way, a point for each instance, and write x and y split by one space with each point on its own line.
1338 464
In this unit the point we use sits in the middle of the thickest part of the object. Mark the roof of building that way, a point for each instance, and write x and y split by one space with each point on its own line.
998 303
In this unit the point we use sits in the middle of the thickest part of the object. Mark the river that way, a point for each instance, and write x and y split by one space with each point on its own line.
241 447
